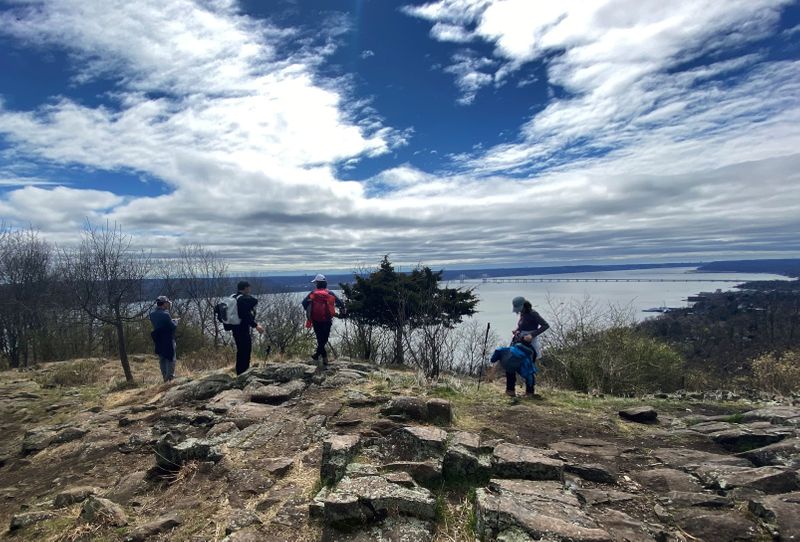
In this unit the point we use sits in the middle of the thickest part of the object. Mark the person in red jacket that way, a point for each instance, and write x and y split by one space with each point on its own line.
320 306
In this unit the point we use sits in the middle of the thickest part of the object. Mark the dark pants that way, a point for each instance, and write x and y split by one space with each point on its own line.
244 346
511 383
323 331
167 366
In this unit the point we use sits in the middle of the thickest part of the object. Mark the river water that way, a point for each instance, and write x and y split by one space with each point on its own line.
548 297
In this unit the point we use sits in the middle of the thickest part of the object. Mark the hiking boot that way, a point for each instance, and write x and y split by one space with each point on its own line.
315 356
325 362
511 393
533 396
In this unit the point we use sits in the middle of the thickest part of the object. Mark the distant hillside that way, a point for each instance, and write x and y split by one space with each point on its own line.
789 267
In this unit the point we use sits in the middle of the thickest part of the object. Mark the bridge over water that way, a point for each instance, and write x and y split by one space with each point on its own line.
604 279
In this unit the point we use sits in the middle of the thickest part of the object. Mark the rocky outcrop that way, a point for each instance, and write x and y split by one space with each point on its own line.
541 510
770 480
198 390
337 452
26 519
781 512
275 373
642 414
73 495
171 453
368 499
467 460
150 529
523 462
274 394
436 411
416 443
103 511
785 453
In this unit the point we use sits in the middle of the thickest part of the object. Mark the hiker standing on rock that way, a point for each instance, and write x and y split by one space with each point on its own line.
320 306
163 335
530 323
238 315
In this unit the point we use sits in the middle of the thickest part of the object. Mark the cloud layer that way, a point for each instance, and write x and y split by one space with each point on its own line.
668 135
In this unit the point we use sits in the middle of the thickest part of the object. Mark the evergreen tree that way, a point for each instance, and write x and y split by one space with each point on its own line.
398 302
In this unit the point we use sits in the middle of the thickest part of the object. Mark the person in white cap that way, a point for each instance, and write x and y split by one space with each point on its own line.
320 306
163 335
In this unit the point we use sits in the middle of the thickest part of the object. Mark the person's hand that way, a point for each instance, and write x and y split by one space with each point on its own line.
259 328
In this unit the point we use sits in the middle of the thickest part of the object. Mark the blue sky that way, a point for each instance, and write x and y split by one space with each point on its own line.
322 134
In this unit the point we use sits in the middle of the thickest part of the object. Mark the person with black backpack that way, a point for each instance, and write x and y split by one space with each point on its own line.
320 306
238 315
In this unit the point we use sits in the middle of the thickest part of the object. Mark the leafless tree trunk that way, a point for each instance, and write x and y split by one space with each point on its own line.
107 277
25 281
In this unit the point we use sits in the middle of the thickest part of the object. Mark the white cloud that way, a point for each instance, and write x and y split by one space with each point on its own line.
470 77
635 155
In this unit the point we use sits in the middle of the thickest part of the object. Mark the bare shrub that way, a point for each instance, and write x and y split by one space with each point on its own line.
594 348
70 374
209 358
283 319
107 277
777 372
473 346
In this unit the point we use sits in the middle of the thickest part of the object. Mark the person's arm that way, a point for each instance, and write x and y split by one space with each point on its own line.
306 301
338 302
246 306
541 323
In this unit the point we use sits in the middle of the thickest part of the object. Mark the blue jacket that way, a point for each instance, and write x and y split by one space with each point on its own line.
163 333
517 358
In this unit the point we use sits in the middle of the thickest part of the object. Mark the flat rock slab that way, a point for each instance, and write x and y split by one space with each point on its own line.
770 480
593 472
744 438
525 463
780 511
371 498
784 453
593 497
26 519
712 427
152 528
778 415
73 495
415 443
684 499
542 510
276 372
623 527
247 414
688 459
197 390
224 401
400 529
273 394
257 435
642 414
664 480
586 446
719 526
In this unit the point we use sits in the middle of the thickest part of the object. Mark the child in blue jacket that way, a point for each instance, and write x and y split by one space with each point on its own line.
518 358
